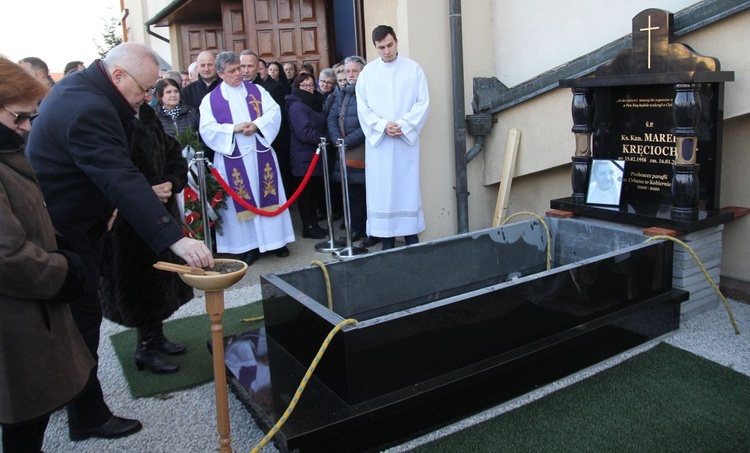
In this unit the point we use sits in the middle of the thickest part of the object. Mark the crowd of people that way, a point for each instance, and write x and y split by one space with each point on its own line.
92 195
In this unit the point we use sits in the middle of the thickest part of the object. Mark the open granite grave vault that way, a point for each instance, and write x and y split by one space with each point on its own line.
448 328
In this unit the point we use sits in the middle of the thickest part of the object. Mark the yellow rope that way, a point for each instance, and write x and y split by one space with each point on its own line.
302 384
546 228
705 273
328 282
328 291
257 318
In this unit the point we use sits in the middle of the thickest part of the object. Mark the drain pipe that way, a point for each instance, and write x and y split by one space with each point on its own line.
459 112
155 35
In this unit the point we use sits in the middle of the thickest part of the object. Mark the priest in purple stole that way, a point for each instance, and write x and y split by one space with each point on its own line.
239 121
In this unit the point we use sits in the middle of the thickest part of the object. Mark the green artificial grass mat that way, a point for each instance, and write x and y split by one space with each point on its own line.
663 400
196 365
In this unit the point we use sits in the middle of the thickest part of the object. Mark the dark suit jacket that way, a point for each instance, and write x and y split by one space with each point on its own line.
81 152
194 93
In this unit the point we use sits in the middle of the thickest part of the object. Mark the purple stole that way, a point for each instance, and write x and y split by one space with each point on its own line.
235 167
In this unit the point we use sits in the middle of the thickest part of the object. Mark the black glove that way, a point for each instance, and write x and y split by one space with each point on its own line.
75 280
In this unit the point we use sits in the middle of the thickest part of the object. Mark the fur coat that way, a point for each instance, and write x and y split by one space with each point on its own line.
132 292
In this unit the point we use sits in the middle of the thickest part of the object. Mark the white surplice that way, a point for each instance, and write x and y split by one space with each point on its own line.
395 91
261 232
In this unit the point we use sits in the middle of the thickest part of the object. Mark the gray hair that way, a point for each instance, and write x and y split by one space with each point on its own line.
129 55
249 52
355 59
174 75
225 58
327 73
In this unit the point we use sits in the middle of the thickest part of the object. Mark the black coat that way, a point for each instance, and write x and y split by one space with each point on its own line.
194 93
132 292
281 142
80 150
307 124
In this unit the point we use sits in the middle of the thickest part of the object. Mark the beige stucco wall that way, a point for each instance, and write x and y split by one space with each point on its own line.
139 11
515 40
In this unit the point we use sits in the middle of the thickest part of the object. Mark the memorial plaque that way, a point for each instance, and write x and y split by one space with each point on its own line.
635 124
657 106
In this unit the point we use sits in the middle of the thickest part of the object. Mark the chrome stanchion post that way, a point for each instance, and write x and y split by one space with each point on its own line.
331 245
349 251
200 159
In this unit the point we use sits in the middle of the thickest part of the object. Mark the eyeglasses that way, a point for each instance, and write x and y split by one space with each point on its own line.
327 82
145 90
21 117
306 85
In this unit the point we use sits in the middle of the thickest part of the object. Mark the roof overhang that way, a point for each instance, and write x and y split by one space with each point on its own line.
185 12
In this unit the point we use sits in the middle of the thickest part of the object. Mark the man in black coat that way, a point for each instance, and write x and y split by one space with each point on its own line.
194 93
80 151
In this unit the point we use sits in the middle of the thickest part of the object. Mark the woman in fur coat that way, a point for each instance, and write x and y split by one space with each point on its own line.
133 293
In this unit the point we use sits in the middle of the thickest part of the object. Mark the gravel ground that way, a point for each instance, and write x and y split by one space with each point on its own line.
186 421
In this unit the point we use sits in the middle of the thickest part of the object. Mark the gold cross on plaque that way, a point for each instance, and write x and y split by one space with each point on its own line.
648 29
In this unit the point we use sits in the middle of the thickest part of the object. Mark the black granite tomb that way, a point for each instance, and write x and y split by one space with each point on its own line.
448 328
659 107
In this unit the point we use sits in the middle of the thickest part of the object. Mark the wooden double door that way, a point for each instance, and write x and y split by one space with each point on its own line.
278 30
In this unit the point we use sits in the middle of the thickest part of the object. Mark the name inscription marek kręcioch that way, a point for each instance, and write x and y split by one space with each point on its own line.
637 128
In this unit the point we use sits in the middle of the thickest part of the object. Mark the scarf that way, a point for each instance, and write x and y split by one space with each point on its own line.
174 113
312 100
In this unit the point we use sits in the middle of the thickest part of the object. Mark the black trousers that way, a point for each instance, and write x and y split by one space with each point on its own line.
358 207
88 409
26 437
307 202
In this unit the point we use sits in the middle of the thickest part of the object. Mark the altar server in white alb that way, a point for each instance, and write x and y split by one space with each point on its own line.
392 105
240 120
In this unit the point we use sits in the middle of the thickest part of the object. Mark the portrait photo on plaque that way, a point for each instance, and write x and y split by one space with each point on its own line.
605 182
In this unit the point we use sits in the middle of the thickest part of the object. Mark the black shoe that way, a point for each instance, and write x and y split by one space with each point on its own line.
313 232
114 428
369 241
147 355
166 346
283 252
250 257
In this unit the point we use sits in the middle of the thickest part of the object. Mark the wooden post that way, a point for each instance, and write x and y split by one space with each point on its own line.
215 310
506 177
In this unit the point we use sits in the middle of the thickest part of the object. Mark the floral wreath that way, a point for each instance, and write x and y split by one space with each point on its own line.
192 211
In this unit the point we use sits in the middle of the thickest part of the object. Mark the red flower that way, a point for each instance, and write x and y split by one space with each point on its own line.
190 195
192 217
217 198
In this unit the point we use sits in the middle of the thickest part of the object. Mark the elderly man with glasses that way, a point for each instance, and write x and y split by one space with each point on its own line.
80 150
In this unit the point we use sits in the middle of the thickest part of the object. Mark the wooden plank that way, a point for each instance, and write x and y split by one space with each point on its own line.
656 231
506 177
560 214
738 211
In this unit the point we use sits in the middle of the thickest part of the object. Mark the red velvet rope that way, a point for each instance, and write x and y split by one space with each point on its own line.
289 201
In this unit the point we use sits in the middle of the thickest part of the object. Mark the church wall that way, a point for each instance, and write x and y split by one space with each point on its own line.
735 191
534 36
499 42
